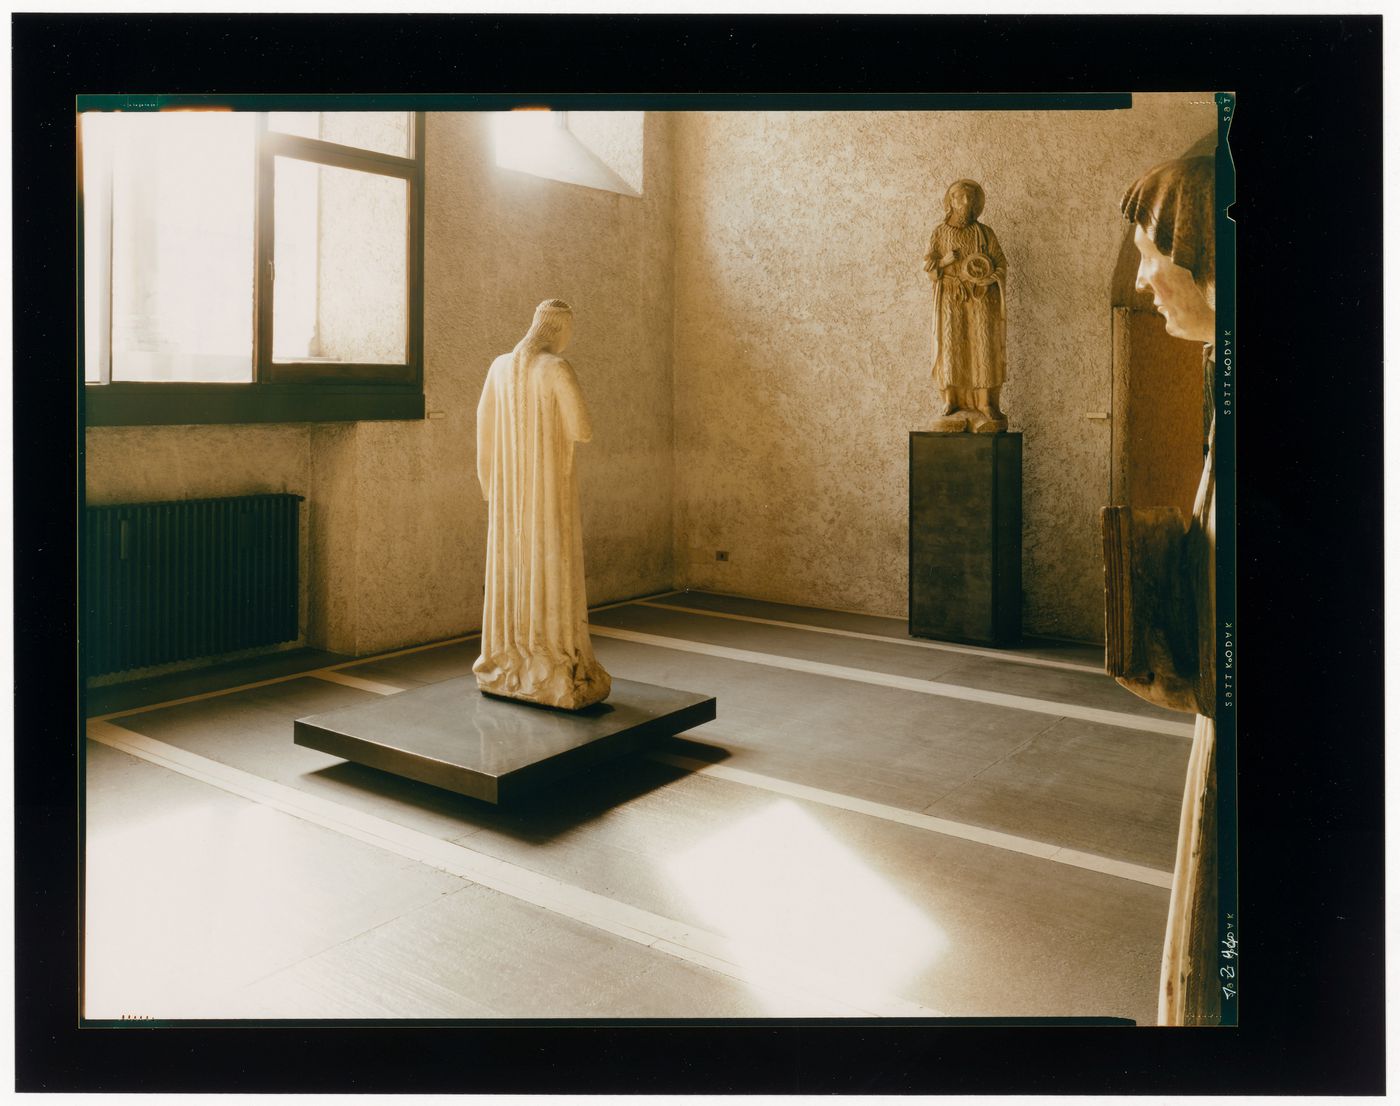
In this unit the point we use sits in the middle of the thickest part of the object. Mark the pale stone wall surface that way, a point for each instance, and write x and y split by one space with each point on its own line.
497 243
616 138
802 337
751 336
333 512
396 527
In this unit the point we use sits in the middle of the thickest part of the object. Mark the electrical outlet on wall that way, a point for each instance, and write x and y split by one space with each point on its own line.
721 554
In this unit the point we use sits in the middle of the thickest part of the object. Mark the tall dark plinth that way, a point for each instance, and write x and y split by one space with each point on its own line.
965 537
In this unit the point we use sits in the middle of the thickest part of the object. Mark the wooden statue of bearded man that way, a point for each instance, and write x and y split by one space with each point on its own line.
968 270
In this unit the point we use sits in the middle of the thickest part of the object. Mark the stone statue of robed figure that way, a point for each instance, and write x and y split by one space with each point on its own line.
534 621
968 270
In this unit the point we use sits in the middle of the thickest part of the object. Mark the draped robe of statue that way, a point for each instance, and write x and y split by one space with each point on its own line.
969 318
534 623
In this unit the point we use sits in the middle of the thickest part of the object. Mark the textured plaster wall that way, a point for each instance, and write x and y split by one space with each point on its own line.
498 242
751 337
617 138
333 513
394 525
801 333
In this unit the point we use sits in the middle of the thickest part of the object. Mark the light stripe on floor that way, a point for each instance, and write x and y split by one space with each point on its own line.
347 680
940 646
667 935
961 830
630 602
904 683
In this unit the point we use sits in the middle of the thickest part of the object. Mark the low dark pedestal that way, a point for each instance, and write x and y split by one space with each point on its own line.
450 735
965 537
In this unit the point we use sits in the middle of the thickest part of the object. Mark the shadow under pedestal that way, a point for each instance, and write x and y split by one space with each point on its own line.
452 736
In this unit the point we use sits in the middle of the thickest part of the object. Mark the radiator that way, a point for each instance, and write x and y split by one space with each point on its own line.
167 582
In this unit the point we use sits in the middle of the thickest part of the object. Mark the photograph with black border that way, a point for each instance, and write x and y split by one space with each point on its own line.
1298 803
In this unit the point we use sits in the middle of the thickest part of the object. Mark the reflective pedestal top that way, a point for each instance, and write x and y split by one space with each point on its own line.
452 736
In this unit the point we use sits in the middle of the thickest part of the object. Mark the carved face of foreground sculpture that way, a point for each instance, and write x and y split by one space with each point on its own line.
1175 294
1172 209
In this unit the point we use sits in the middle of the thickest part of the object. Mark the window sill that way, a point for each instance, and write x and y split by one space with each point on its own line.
184 404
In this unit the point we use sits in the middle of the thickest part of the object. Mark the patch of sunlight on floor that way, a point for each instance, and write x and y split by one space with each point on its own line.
184 906
805 907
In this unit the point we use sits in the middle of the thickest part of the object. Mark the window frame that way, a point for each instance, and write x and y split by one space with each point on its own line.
286 391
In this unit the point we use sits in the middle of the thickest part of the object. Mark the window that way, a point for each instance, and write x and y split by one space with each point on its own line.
251 266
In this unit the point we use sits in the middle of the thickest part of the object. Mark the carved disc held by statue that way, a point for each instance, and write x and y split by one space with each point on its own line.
978 268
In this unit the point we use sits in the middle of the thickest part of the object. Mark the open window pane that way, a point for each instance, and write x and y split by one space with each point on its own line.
96 136
385 132
176 287
340 252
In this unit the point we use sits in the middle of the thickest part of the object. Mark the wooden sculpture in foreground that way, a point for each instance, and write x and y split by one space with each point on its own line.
534 621
1159 572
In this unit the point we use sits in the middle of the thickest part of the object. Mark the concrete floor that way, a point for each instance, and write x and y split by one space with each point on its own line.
871 826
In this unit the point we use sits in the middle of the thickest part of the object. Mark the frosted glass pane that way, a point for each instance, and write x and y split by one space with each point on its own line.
96 135
385 132
341 265
178 190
